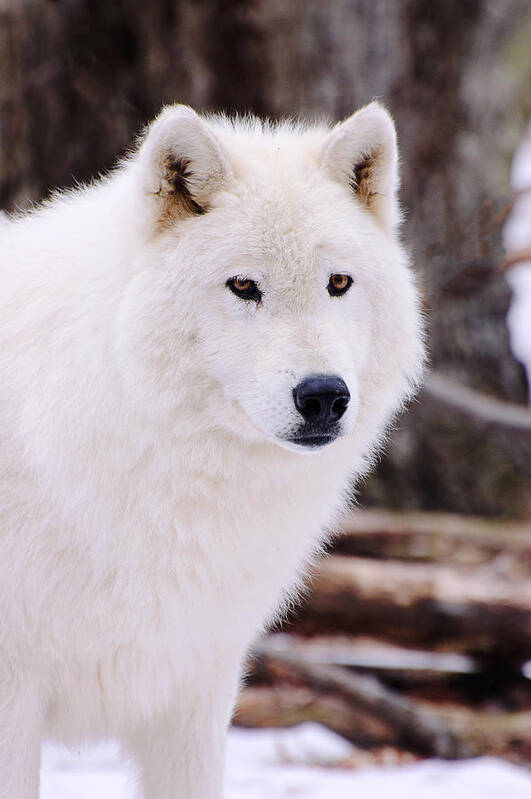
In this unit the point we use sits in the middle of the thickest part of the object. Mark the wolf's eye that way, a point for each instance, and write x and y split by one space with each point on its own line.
339 284
244 288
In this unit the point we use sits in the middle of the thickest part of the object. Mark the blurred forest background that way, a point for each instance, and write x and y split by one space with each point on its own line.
78 81
80 78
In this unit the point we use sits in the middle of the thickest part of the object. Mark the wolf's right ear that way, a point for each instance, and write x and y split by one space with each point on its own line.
362 153
182 164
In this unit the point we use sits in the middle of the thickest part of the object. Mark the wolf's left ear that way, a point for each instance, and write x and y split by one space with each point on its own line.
361 152
182 163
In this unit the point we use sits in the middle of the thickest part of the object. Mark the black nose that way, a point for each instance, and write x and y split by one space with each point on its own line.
321 399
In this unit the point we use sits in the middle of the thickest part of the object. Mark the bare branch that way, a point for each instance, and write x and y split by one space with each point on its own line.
417 728
475 403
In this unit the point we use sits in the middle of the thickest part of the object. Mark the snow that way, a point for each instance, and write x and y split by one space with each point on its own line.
295 763
517 237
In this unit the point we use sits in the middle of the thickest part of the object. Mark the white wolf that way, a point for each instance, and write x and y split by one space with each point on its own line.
197 356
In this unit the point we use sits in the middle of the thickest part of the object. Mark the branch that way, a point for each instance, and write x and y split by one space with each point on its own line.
416 727
475 403
516 257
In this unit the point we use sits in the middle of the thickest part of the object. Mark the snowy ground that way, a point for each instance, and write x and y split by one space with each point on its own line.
281 764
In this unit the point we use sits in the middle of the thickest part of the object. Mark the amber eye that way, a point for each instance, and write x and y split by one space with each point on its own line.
339 284
244 288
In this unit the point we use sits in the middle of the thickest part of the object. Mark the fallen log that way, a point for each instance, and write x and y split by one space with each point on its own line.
501 734
476 611
414 727
495 733
443 537
374 655
285 705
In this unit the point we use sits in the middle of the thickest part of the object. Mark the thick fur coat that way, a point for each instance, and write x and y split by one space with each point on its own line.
159 503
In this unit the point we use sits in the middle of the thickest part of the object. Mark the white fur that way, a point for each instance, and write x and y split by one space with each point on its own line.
152 518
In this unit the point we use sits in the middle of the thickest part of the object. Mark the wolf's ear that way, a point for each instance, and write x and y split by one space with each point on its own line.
361 152
182 163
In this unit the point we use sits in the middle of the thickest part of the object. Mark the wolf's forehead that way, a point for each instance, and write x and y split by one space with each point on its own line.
280 237
284 215
285 232
273 162
289 212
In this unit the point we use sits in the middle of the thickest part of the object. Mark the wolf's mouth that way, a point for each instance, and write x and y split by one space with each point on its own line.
314 438
312 441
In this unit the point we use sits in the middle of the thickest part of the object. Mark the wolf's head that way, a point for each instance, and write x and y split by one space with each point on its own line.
273 295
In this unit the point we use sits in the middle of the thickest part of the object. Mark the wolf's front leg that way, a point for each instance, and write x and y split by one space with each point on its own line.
182 755
21 715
